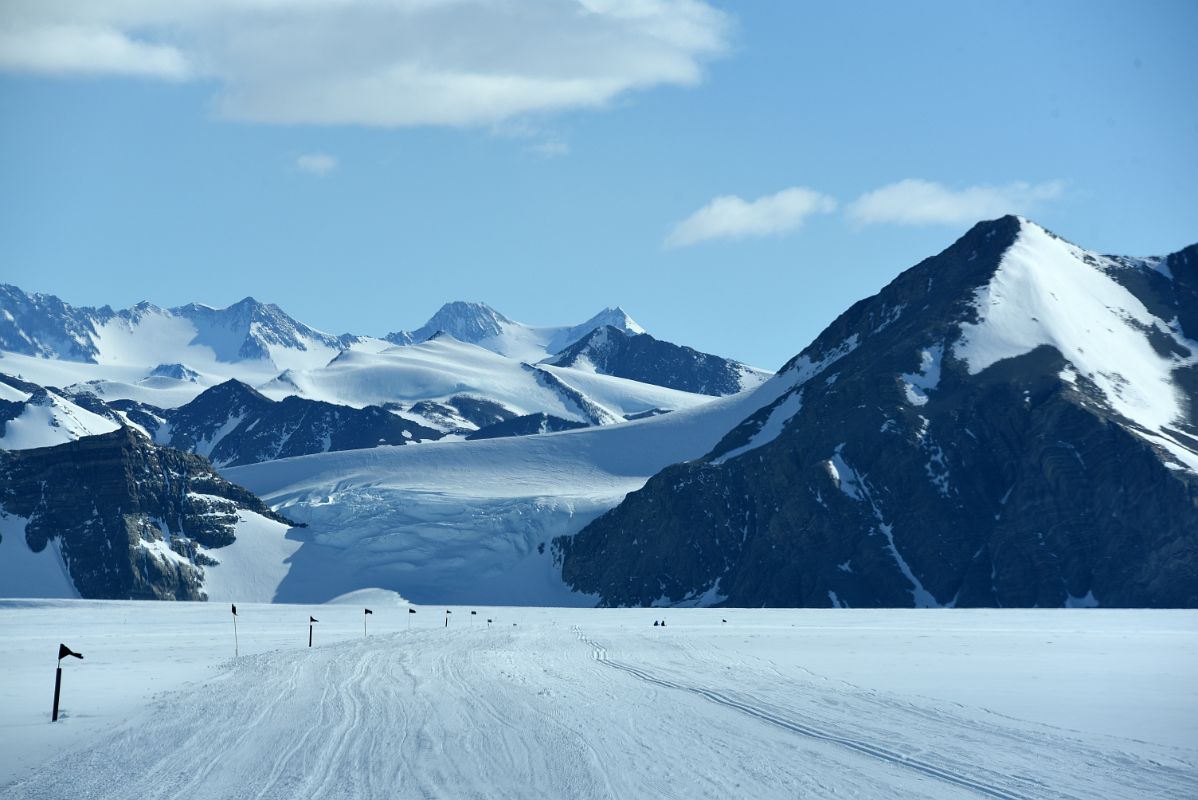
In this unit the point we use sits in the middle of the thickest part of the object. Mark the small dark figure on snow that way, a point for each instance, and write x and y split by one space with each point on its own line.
663 623
654 623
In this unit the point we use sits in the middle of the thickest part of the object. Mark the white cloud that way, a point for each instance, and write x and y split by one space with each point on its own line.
730 217
376 62
919 202
76 49
319 164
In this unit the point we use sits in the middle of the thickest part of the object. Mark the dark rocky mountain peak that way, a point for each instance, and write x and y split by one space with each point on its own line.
233 424
640 357
132 520
1008 423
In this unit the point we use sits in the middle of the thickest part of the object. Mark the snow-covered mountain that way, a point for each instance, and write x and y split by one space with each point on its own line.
126 519
1008 423
478 323
167 357
638 356
42 325
39 418
231 424
423 382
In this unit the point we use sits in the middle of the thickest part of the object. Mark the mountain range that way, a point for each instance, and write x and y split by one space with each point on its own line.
1007 423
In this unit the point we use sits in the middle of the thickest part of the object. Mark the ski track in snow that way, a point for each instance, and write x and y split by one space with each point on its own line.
541 709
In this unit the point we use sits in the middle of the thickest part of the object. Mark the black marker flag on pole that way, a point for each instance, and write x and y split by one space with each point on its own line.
236 648
63 652
447 613
368 611
411 611
311 619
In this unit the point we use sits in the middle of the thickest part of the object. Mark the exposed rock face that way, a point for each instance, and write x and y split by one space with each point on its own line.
918 458
640 357
526 425
43 325
232 424
462 413
132 519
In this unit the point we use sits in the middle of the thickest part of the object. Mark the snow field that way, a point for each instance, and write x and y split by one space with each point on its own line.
597 703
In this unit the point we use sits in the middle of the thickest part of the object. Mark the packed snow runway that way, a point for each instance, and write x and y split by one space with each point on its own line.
596 703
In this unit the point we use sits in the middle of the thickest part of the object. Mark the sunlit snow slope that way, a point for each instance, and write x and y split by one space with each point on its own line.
466 521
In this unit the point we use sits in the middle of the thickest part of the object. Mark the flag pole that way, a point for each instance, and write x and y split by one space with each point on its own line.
236 646
63 652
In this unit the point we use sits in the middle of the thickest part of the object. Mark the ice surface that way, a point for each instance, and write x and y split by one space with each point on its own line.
585 703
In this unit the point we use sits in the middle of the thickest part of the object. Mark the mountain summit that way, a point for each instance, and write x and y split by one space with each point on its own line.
478 323
1008 423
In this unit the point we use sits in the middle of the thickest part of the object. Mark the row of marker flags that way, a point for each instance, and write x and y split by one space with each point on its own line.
313 620
64 651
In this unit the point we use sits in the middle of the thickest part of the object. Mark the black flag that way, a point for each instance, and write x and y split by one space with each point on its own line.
64 651
312 619
473 613
411 611
234 608
447 611
368 611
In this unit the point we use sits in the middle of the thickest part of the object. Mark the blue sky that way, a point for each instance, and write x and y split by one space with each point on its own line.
552 162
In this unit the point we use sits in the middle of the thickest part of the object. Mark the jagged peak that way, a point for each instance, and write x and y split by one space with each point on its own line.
231 389
616 317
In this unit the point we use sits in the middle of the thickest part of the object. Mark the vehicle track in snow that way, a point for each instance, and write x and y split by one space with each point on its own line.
518 712
1171 783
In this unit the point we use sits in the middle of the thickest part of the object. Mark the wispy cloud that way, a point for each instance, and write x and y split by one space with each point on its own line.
319 164
920 202
549 149
730 217
387 63
88 49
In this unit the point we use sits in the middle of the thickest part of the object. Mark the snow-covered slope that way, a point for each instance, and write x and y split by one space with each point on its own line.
468 521
1049 292
443 368
45 419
